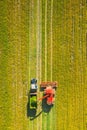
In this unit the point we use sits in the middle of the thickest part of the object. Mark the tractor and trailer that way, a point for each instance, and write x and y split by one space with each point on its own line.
48 88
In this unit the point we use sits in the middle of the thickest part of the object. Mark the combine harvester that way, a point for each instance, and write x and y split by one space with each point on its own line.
49 91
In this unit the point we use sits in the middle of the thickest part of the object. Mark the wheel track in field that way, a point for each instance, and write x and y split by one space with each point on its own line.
46 41
53 114
38 65
33 50
30 41
45 117
51 38
29 53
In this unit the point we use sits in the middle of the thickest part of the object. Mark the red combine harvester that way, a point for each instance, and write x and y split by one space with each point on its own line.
49 91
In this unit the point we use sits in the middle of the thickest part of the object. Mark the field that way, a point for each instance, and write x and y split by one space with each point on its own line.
47 40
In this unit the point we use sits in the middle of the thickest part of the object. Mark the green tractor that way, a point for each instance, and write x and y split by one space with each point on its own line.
33 94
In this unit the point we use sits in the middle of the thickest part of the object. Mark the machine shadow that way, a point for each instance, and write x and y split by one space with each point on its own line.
30 112
41 89
32 118
45 107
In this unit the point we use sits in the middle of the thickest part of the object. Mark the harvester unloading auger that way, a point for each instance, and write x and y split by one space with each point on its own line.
49 92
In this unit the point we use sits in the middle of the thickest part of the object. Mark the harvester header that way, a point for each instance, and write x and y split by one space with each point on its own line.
48 83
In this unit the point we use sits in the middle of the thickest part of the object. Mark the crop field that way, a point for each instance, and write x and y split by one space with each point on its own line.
47 40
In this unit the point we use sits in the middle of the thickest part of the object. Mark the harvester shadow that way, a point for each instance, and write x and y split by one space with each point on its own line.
45 107
32 112
41 89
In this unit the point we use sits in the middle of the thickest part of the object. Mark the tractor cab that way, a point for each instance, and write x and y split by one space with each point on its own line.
33 94
34 84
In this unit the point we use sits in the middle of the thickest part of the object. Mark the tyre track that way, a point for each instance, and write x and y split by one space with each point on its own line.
30 41
51 39
45 117
32 49
46 40
29 28
38 65
53 111
44 54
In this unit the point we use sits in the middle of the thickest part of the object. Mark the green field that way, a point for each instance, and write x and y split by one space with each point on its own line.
47 40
